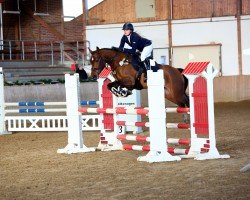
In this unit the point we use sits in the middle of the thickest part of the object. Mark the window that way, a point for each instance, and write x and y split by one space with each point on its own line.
145 8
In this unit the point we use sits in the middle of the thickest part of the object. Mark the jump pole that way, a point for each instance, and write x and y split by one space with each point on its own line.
75 138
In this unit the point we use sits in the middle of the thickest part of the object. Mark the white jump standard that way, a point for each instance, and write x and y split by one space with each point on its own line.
157 118
200 75
75 139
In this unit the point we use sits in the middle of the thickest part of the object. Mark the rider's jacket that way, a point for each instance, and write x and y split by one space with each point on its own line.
135 41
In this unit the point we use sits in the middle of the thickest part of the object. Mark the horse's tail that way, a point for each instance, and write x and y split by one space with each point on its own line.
185 78
187 100
186 97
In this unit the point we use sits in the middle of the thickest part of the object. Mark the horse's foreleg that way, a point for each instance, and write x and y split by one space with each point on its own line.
143 82
118 90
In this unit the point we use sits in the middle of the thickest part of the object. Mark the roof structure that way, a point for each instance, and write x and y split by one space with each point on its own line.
195 67
105 72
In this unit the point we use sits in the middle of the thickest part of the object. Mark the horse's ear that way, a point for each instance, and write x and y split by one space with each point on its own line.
97 48
90 50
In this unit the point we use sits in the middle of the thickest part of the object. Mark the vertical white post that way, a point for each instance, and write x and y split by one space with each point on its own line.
157 119
75 138
2 112
213 153
100 84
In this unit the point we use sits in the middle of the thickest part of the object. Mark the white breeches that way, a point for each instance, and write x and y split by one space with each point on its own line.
146 52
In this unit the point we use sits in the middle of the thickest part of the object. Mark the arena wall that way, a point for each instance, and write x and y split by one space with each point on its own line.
226 89
204 31
245 25
201 31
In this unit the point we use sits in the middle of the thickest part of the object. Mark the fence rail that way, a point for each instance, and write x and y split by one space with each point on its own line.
57 52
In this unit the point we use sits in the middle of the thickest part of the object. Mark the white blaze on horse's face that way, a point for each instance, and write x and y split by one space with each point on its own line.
94 61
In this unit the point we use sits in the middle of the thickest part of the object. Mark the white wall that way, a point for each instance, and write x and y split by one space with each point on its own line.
204 31
185 32
109 35
106 36
245 37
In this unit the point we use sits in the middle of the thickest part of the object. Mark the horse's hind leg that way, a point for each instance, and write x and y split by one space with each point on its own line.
185 103
186 100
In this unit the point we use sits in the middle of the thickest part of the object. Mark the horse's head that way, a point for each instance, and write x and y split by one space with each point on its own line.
97 62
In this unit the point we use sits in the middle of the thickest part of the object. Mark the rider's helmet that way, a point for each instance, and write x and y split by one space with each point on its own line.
128 26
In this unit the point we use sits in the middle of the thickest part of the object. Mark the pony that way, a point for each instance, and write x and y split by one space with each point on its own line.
127 78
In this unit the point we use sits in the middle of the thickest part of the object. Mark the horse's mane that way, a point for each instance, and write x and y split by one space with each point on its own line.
113 49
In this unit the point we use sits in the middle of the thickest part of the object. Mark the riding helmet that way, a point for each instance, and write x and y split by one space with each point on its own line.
128 26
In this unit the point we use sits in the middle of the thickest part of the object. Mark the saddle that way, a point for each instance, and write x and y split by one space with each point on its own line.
140 66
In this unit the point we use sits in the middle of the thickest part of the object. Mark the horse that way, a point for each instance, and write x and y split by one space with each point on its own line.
127 79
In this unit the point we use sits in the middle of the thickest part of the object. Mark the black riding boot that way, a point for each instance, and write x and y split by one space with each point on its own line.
146 63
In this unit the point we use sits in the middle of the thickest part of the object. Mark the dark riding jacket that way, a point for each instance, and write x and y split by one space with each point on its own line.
136 42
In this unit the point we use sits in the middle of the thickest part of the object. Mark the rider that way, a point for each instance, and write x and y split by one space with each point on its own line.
136 43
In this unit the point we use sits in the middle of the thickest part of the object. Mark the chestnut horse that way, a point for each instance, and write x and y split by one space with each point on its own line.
126 75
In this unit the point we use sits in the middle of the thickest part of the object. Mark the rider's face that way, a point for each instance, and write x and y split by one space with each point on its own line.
127 32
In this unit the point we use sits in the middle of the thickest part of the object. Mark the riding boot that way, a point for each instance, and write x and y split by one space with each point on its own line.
146 66
146 63
140 71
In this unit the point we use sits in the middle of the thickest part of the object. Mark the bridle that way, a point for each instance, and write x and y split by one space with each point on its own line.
106 62
101 63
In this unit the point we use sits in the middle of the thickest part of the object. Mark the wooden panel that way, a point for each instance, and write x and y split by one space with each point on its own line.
161 9
113 11
225 7
119 11
184 9
246 7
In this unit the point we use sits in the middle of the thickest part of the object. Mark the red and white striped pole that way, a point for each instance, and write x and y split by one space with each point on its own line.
146 124
140 138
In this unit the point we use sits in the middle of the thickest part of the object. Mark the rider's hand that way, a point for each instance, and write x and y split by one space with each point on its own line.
115 48
138 53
